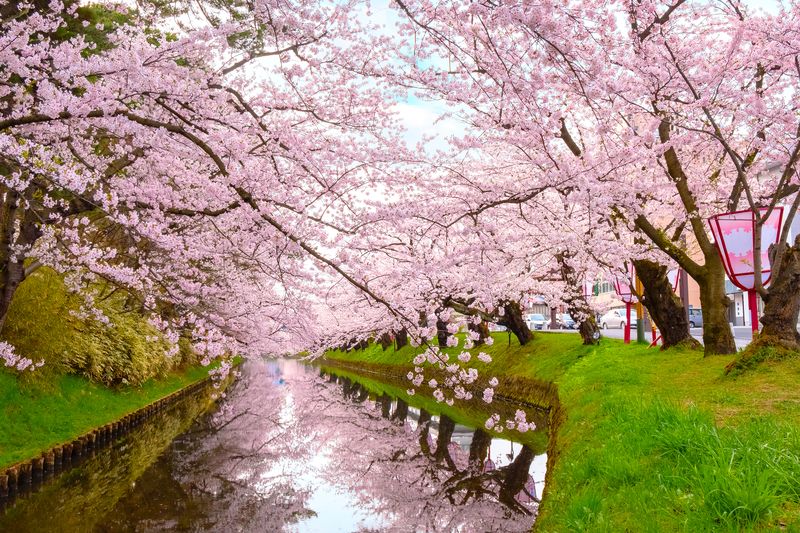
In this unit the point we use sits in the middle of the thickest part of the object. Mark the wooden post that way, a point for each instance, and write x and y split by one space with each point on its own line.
67 454
77 448
13 479
24 476
37 468
684 293
49 462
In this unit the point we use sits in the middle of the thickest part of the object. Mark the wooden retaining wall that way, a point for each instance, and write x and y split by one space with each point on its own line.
28 475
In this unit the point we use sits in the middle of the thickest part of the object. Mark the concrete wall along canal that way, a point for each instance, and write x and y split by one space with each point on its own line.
27 476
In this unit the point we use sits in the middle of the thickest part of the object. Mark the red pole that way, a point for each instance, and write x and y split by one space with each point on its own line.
627 323
752 301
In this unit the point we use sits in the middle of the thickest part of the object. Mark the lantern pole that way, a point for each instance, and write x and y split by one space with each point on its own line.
628 322
752 300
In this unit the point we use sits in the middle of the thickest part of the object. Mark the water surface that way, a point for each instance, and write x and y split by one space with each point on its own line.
294 448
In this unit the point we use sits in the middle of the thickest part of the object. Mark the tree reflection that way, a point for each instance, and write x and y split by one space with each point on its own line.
429 480
401 411
291 445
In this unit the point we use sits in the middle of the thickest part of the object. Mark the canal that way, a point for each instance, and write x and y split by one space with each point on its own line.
293 447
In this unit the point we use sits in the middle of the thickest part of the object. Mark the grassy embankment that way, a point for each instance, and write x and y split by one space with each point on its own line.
94 373
35 420
651 440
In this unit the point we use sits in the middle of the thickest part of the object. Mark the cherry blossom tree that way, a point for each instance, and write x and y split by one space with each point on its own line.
664 118
204 170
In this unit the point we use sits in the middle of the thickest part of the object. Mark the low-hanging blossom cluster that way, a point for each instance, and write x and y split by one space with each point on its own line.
458 381
12 360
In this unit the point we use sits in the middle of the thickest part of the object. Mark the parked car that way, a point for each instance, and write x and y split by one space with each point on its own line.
537 321
695 318
566 321
614 318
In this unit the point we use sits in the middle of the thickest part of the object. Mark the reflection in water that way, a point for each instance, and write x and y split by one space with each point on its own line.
423 479
78 499
293 450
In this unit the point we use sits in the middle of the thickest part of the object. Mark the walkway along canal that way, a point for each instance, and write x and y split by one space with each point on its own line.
299 448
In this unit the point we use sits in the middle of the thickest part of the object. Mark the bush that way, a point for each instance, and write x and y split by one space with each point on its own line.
43 324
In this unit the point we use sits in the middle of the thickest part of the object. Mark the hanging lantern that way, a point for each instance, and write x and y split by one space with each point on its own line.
734 236
624 288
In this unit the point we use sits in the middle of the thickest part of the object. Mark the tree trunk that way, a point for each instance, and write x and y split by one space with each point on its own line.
400 338
446 428
782 303
346 386
361 395
401 411
665 308
516 476
12 275
515 322
717 336
590 332
424 427
386 341
441 332
17 230
478 448
517 472
386 405
482 329
577 305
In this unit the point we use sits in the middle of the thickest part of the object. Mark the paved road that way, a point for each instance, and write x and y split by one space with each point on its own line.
742 334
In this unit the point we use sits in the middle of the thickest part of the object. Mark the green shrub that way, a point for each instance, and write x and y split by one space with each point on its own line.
44 324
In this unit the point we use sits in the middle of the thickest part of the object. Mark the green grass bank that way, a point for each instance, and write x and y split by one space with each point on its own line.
34 419
646 440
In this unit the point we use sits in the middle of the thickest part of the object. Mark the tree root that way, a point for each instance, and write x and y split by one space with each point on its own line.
764 348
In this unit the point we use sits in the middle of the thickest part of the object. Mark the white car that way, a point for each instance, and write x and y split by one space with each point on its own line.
615 318
537 321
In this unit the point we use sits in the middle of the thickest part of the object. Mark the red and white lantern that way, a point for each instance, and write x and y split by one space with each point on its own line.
734 235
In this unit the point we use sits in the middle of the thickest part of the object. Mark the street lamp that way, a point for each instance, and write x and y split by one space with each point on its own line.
734 236
624 288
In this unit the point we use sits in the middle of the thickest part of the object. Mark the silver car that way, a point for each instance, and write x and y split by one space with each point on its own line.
695 318
537 321
615 318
